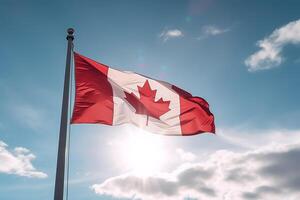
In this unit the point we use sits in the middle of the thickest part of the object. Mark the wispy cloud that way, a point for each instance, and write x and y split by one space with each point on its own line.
185 155
171 34
266 172
253 139
18 162
30 116
269 55
214 30
297 60
211 30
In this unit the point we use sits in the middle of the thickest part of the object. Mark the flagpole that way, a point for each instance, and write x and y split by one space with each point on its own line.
60 167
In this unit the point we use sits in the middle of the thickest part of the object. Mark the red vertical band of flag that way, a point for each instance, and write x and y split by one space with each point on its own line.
94 96
195 116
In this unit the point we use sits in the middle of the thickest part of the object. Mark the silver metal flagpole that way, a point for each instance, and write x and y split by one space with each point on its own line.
60 167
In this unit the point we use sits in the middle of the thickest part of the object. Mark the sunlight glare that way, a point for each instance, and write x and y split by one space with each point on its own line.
143 152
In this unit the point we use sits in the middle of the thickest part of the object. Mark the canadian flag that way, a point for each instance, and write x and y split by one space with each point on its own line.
109 96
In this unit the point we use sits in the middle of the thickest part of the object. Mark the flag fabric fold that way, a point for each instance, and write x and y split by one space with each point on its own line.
108 96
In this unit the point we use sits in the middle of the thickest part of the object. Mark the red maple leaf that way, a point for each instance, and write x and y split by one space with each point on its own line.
146 104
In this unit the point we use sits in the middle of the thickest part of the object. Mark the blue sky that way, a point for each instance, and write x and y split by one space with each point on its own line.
241 56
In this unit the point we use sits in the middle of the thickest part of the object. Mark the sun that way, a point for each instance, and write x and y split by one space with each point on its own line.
143 153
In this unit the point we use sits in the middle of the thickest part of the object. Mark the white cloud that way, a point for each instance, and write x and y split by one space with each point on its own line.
214 30
211 30
18 162
170 34
269 56
268 171
185 156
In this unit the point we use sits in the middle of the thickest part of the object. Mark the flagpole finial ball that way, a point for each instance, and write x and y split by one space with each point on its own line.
70 31
70 34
